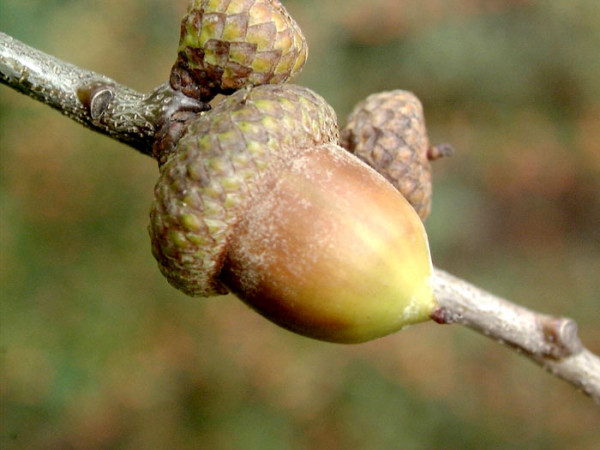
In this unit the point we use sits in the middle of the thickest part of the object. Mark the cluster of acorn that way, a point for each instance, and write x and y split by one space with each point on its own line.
261 197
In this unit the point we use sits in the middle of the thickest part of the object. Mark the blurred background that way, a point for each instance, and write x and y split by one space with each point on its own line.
98 351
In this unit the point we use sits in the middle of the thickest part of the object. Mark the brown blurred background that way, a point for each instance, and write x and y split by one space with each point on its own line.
98 351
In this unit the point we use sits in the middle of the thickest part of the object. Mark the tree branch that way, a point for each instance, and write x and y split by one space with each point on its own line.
551 342
135 119
91 99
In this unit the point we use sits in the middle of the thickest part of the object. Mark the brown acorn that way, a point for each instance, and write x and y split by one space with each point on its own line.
229 44
328 249
258 199
387 131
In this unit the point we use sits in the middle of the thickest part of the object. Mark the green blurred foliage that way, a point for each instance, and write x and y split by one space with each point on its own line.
97 351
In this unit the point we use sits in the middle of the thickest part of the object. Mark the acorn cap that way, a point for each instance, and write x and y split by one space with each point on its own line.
387 131
207 181
228 44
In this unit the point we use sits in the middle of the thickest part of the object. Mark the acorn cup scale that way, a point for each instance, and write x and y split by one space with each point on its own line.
258 199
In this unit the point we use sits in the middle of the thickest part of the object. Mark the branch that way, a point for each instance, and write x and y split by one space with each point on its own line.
91 99
551 342
136 119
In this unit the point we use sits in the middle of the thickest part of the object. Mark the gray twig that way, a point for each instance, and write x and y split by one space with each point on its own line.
91 99
552 342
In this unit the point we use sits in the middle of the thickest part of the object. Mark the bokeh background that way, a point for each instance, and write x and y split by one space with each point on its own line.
98 351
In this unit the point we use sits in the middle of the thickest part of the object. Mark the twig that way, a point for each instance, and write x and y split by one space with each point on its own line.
551 342
91 99
135 119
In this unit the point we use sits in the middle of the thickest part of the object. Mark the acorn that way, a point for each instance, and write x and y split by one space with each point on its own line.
330 250
226 45
387 131
258 199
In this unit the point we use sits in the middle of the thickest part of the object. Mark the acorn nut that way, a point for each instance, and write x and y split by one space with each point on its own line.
330 250
260 200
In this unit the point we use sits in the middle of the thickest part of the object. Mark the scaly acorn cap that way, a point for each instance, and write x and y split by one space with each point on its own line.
228 44
387 131
206 182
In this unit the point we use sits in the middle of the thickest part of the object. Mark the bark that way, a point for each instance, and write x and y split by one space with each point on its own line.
91 99
552 342
135 119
